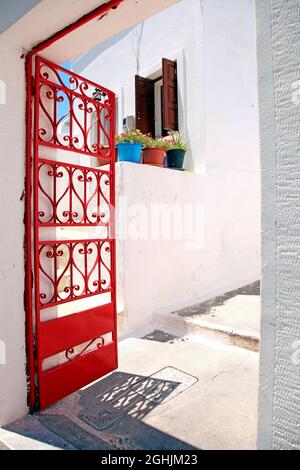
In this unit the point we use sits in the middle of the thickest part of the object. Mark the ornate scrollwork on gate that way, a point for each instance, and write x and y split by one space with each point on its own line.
71 270
68 98
73 353
72 195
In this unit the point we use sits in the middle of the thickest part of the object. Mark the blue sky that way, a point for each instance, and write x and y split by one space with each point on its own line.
63 107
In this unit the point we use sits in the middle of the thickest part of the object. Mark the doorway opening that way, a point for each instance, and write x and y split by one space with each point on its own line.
172 288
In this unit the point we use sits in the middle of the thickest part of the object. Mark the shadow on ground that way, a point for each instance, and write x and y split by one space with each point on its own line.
104 416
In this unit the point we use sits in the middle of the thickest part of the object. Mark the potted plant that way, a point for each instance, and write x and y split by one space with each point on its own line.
129 145
176 150
154 151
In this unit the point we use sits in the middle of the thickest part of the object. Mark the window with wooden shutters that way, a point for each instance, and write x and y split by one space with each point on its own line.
144 105
157 113
170 98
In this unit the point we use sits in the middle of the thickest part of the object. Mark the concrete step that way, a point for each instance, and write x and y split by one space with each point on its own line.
242 338
231 319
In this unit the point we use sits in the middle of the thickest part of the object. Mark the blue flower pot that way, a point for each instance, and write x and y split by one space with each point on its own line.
129 152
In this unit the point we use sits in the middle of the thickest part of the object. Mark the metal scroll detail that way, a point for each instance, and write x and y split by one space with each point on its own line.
72 354
70 270
74 115
66 98
72 195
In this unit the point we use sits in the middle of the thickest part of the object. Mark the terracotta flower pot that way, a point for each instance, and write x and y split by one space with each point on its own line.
154 156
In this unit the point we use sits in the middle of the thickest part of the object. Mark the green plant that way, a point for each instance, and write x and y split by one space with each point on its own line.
175 141
155 143
131 136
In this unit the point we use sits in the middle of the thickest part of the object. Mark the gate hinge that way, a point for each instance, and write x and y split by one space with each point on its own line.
32 85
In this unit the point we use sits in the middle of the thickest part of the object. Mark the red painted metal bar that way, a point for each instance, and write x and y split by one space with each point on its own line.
79 297
99 11
79 167
38 366
104 159
113 233
28 240
77 240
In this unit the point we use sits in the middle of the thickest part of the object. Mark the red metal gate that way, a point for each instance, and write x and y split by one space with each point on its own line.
74 301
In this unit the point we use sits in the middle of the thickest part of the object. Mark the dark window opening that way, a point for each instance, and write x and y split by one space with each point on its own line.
157 101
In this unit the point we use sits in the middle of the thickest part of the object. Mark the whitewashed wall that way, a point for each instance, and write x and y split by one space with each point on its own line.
214 44
12 274
278 28
20 35
212 252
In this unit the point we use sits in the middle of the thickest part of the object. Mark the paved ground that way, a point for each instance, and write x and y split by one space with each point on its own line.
170 392
214 409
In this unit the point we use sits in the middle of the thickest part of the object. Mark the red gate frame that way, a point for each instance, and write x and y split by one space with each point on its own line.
28 238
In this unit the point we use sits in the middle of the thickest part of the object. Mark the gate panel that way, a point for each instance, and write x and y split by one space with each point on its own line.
75 374
74 243
96 322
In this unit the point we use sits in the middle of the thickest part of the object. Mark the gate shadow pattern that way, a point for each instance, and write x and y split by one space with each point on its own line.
119 404
124 394
112 412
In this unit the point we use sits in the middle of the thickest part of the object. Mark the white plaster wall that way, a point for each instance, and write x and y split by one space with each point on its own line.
173 33
166 274
12 316
39 23
230 84
214 44
278 33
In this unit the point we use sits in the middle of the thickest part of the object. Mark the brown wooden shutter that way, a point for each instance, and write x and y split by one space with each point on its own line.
144 105
170 99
